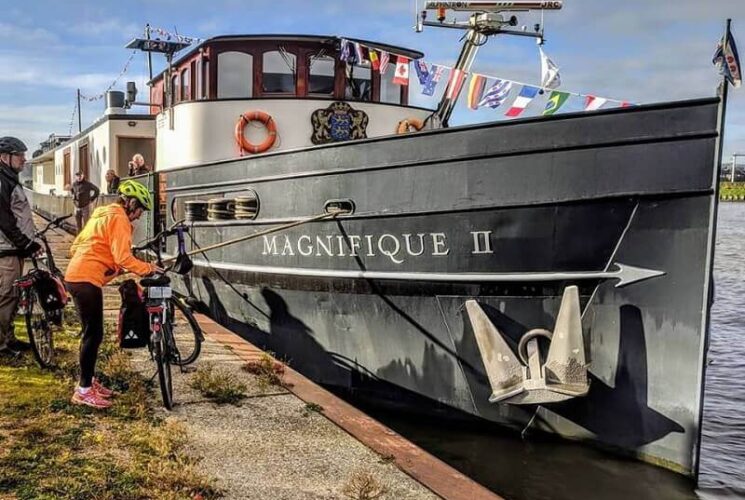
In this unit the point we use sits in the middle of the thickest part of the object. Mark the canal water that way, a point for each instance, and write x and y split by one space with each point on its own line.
540 468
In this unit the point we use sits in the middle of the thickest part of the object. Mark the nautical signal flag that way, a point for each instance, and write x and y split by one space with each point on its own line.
555 101
345 54
435 73
550 78
455 83
592 102
476 90
421 71
401 76
385 59
727 59
526 95
374 60
359 53
496 94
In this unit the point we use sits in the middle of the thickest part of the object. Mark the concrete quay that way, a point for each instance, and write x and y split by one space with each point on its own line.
294 441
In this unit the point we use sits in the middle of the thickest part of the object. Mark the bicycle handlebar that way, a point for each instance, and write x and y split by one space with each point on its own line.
53 223
162 235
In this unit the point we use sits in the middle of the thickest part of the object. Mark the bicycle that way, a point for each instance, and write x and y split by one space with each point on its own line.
167 344
42 298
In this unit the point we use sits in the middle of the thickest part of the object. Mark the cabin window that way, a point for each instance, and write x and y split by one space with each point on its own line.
186 85
321 80
205 78
389 92
279 72
174 89
359 82
234 75
48 173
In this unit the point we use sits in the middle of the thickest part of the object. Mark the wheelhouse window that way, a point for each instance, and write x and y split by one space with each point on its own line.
389 92
279 72
359 82
321 75
234 75
186 85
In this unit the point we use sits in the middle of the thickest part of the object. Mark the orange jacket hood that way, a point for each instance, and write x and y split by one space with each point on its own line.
103 249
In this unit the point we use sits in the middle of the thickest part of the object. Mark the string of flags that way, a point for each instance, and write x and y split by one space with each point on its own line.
180 38
116 80
479 92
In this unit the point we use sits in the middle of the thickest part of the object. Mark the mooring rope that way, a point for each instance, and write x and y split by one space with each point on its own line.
325 215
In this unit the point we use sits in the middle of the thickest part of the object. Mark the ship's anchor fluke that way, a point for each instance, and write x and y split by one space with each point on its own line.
523 379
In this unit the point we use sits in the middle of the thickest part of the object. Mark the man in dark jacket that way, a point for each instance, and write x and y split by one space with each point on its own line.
83 194
16 238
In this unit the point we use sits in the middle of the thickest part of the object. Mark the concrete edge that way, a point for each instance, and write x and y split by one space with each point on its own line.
428 470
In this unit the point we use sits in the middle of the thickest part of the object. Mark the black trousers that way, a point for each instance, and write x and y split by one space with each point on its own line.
89 303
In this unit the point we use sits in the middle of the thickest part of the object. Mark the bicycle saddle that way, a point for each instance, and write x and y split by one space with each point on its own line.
158 280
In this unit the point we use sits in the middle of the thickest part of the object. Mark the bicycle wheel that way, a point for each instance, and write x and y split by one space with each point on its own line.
187 334
39 331
160 353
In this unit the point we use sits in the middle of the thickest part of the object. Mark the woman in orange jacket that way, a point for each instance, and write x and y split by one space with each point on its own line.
100 252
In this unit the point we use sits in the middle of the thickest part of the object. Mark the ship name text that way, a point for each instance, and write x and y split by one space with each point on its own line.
396 247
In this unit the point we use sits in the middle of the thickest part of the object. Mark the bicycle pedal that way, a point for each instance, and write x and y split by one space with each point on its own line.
188 369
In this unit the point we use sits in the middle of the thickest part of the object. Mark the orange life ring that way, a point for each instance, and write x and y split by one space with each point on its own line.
405 126
255 116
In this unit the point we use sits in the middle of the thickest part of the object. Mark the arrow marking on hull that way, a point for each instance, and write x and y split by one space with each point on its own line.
624 273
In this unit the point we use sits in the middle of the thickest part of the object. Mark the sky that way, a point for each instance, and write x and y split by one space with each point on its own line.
642 51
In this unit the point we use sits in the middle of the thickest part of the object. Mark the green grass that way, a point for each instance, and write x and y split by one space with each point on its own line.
218 385
52 449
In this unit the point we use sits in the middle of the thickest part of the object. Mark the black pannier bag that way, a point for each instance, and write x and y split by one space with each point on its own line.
134 331
50 290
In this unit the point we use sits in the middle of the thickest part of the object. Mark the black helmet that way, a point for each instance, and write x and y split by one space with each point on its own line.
12 145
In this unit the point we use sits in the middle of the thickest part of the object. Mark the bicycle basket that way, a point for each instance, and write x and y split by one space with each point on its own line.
50 289
133 330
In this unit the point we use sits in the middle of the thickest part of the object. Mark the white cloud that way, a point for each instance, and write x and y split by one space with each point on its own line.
11 33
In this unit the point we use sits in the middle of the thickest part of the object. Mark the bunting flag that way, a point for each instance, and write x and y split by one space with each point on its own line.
526 95
402 71
345 53
625 104
421 71
496 94
550 78
727 59
476 90
555 101
435 74
592 102
385 59
374 60
455 82
359 53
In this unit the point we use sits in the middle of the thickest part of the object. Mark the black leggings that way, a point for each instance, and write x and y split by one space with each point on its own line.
89 303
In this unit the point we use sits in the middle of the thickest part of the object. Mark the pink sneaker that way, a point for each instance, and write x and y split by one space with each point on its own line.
101 390
91 398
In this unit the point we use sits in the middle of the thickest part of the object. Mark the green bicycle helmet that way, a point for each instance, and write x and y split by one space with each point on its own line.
136 190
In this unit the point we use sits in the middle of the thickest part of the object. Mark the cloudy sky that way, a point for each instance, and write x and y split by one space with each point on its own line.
642 51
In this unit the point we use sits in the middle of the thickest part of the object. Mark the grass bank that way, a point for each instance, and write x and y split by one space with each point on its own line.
732 191
52 449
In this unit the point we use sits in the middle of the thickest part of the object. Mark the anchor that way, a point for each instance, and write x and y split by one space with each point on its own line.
523 379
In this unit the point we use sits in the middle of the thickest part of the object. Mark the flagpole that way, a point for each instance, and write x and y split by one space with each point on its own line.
709 277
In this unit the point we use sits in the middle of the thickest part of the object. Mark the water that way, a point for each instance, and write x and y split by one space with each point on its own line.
550 469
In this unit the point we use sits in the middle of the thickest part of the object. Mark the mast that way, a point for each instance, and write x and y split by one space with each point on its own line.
486 20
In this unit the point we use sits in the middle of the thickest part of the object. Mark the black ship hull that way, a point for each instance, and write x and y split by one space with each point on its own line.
621 204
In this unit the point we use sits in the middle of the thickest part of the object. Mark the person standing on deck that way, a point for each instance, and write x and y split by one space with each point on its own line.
83 194
112 182
137 165
16 239
100 252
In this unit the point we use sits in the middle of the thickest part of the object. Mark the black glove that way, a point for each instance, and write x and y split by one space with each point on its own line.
31 249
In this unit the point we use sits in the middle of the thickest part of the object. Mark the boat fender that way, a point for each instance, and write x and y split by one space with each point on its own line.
255 116
409 125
